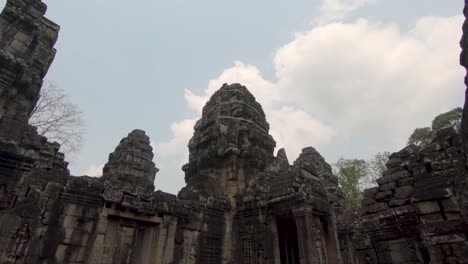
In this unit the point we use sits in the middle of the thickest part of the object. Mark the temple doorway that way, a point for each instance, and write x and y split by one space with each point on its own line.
288 242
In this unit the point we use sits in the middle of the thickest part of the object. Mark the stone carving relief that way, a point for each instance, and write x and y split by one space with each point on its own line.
20 241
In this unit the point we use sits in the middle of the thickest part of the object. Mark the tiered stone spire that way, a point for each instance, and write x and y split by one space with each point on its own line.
132 162
230 144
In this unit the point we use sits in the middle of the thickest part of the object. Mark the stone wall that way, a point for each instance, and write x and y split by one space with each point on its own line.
415 214
234 203
242 204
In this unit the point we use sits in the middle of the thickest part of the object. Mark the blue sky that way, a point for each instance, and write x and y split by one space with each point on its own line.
349 77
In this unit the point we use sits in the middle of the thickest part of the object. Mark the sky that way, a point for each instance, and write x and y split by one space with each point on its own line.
348 77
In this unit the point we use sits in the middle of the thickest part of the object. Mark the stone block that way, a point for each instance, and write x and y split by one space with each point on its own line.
431 218
405 210
371 192
85 226
427 207
446 239
101 226
378 207
393 177
60 253
368 201
388 186
452 216
408 181
403 192
77 254
52 190
17 47
399 202
385 195
389 234
432 194
442 165
68 236
450 206
70 221
365 243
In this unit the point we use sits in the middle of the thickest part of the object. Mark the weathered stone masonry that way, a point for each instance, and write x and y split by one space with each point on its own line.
415 214
241 204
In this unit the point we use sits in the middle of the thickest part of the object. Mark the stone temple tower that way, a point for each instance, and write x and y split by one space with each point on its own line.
230 145
274 211
242 204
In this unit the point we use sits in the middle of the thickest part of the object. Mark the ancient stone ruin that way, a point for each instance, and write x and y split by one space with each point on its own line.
241 204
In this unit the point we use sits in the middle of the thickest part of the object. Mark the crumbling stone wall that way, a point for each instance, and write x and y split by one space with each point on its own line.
242 204
226 210
414 215
418 212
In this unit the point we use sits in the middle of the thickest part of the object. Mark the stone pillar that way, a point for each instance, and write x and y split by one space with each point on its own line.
147 241
170 241
161 240
228 246
306 236
96 253
332 245
275 241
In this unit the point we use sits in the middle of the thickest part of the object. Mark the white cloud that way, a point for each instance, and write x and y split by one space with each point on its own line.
294 129
372 78
94 170
352 81
265 92
291 127
336 10
182 131
171 155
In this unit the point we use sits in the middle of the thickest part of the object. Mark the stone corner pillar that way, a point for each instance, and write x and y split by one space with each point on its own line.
308 253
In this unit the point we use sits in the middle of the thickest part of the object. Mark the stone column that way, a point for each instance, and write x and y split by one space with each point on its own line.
275 241
170 241
332 245
306 237
147 241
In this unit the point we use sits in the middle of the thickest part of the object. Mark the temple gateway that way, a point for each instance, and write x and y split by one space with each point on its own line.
242 202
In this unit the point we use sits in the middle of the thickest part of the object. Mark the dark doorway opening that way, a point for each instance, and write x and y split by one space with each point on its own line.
289 248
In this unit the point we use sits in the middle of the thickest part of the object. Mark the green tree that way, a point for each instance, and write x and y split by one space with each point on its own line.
375 169
423 136
451 118
350 172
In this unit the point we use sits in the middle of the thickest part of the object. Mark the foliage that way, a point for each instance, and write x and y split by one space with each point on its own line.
423 136
451 118
375 168
350 172
58 119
